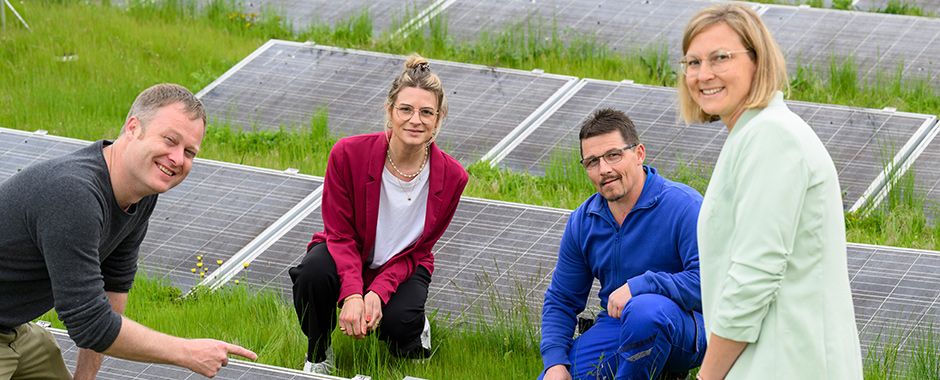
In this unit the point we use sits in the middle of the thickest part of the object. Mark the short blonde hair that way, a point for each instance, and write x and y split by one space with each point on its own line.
150 101
771 73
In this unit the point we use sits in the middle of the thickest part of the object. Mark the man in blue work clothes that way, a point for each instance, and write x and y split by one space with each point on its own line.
637 235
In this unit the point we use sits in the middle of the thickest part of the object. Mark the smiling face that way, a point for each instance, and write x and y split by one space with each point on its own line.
414 130
159 155
620 181
723 93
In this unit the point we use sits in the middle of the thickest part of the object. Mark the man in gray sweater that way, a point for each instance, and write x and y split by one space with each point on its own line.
70 231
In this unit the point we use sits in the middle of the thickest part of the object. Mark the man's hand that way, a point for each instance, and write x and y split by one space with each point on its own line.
557 372
352 319
373 311
207 356
618 300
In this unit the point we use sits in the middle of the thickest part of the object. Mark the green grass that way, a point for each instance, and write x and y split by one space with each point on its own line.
82 66
900 7
901 219
918 360
502 350
305 149
897 7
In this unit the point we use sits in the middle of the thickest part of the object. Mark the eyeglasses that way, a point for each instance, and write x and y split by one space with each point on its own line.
717 61
426 114
612 156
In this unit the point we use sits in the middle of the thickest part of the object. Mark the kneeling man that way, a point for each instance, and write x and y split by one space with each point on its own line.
637 236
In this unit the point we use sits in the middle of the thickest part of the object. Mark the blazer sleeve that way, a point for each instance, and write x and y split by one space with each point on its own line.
401 267
339 223
770 182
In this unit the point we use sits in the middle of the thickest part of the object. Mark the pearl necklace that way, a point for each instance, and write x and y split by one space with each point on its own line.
388 154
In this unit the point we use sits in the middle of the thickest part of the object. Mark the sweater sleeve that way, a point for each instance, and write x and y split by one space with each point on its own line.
770 181
339 223
68 227
683 287
565 298
395 272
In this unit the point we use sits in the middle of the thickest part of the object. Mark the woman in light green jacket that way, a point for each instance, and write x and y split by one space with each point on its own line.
771 234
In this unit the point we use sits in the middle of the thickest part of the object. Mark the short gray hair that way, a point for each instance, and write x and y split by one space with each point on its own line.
162 95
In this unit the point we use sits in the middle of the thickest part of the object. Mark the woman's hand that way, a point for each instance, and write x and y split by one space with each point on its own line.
351 318
373 311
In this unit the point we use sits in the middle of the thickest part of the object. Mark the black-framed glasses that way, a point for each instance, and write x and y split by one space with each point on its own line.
427 115
718 61
612 156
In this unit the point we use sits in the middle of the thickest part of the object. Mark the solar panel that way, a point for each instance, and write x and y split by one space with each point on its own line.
859 140
493 254
268 271
618 24
284 83
895 292
878 43
19 150
215 212
119 369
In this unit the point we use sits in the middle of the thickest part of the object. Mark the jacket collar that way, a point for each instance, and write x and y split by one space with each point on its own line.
749 114
652 188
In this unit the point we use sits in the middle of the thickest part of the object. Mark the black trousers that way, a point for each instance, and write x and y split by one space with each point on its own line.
316 289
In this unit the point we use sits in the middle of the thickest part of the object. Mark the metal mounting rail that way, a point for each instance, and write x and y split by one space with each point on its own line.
262 242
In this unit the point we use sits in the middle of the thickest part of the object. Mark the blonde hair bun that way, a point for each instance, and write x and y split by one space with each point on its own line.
414 60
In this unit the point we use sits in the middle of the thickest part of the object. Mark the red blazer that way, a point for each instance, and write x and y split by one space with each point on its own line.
350 211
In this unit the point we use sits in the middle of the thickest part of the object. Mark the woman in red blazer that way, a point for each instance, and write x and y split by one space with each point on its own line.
387 199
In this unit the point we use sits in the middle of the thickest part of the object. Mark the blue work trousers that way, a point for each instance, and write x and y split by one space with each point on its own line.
654 335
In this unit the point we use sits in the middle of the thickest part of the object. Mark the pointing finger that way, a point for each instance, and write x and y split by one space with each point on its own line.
241 351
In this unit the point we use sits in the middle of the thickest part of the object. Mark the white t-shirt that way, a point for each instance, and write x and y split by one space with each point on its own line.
401 221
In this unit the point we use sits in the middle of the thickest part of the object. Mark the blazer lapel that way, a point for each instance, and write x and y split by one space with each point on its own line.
374 166
435 186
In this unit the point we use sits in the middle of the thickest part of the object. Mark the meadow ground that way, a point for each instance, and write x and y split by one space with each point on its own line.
78 70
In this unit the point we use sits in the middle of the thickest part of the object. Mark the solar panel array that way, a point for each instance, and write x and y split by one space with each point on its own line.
878 43
284 83
119 369
500 256
618 24
216 211
859 140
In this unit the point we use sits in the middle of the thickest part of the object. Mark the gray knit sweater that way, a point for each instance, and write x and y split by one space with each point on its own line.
64 241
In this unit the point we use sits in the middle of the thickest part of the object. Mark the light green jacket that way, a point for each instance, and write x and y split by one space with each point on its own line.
772 247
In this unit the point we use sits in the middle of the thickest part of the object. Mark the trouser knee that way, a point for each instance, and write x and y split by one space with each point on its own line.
404 315
647 312
316 272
